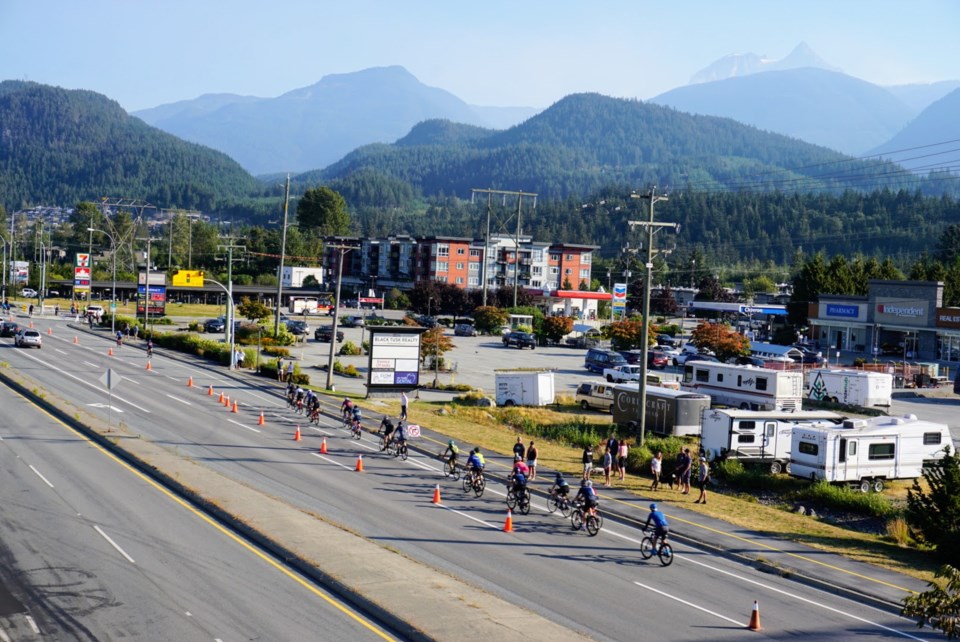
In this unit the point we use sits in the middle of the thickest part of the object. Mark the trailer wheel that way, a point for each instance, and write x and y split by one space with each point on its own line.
878 485
864 485
834 400
509 402
776 468
787 468
744 406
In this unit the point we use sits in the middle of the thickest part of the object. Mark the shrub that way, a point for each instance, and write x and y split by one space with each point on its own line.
846 499
276 351
898 531
349 349
350 371
469 398
195 326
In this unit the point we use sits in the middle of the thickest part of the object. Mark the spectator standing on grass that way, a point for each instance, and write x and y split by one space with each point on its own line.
613 446
404 400
656 467
622 458
703 478
280 369
290 371
587 460
677 469
56 310
519 449
532 460
607 464
685 471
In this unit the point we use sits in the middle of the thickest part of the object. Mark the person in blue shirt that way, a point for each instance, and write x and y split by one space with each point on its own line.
589 498
560 486
475 462
357 414
659 522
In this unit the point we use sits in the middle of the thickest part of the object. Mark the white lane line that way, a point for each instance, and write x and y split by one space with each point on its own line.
85 382
130 380
114 544
183 401
60 351
806 600
243 426
33 624
171 378
3 636
463 514
92 365
40 475
331 461
691 604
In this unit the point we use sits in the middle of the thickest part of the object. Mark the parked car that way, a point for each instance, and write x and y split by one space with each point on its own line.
598 360
519 340
464 330
298 328
29 293
657 360
690 358
214 325
324 333
9 329
95 311
594 394
814 357
352 321
666 340
747 361
427 322
27 337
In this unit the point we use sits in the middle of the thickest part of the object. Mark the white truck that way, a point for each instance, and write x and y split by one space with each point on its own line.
854 387
620 374
524 388
757 437
865 453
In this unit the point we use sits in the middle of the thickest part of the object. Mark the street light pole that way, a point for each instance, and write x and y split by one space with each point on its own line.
341 251
283 251
113 284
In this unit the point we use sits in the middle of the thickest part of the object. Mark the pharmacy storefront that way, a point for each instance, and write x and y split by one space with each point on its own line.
842 323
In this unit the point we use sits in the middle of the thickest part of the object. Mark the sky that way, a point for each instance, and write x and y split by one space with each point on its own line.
531 53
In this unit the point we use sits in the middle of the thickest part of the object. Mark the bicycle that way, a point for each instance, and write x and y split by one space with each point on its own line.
315 416
450 468
401 450
664 551
475 482
557 501
593 519
386 443
356 430
519 500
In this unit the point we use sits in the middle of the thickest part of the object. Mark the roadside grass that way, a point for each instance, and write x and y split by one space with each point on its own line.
487 428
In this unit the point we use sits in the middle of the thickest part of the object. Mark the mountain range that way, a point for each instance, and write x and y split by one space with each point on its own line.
314 126
737 65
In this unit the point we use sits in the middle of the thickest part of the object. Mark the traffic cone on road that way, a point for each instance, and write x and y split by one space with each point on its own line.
226 402
436 494
50 332
149 367
323 446
296 435
755 617
220 400
210 391
76 340
110 352
189 382
359 468
260 420
508 525
235 409
31 325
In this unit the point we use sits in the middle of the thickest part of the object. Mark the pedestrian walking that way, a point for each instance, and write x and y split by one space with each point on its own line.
56 310
135 331
656 467
703 478
607 464
519 450
404 400
532 461
30 310
622 458
587 459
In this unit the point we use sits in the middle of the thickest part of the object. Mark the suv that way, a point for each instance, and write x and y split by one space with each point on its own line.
325 333
464 330
298 328
520 340
95 311
598 360
214 325
27 337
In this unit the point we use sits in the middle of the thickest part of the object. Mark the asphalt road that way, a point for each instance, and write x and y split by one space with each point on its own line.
599 586
91 550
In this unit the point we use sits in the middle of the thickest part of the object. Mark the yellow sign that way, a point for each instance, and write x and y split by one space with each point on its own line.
188 279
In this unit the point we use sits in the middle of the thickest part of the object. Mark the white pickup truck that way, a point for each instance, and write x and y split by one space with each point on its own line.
620 374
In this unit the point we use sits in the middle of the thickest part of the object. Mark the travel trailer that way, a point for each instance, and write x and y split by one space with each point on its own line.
744 387
758 437
866 452
854 387
668 412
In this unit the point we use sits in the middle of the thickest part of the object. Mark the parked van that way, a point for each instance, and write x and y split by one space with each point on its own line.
598 360
595 394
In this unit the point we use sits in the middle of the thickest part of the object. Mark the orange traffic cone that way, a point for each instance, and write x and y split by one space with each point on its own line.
210 391
76 340
323 446
755 617
110 352
189 382
149 367
220 400
508 526
359 463
260 421
226 402
296 435
436 494
50 331
31 325
235 409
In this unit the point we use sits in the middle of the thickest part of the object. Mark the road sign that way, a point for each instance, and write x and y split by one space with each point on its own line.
188 279
110 380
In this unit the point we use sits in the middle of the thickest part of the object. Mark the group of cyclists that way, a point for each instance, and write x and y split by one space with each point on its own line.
303 402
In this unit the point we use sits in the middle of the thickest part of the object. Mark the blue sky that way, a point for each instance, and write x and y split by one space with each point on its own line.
144 53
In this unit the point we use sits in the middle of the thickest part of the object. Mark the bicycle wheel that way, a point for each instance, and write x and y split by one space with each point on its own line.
455 472
565 507
593 525
646 548
449 468
467 483
383 444
666 554
403 452
478 486
599 517
357 433
523 502
511 500
576 520
552 504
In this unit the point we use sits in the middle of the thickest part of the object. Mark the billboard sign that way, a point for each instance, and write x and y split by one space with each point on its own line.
157 304
394 362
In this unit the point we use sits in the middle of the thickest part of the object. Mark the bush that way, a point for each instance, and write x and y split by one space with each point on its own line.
195 326
349 349
736 475
846 499
276 351
577 433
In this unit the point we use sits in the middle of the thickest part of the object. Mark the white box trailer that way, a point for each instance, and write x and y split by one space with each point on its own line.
867 452
744 387
524 388
757 437
854 387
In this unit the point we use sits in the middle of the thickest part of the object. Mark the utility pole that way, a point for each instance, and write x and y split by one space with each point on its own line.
341 252
146 283
283 251
651 198
486 248
228 326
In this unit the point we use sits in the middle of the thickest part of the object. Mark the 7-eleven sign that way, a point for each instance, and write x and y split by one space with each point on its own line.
83 260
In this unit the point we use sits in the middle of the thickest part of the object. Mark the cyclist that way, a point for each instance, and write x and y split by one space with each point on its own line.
400 435
346 408
149 348
357 414
119 338
589 501
386 426
560 486
454 451
660 524
518 476
300 395
475 463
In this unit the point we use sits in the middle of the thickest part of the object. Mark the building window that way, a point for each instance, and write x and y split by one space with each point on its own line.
569 257
474 267
443 250
475 253
586 258
585 274
461 251
568 271
536 270
555 257
442 266
536 284
473 280
441 279
554 270
459 266
460 280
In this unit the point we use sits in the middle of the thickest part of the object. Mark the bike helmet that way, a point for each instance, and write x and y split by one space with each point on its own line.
653 507
477 450
588 483
516 458
583 482
451 443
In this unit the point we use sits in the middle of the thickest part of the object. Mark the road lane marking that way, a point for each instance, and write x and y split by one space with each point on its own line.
3 636
60 351
32 623
92 365
40 475
113 544
691 604
130 380
243 426
331 461
183 401
105 405
463 514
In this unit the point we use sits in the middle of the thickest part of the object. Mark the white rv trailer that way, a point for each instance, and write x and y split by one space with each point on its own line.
866 452
744 387
854 387
761 437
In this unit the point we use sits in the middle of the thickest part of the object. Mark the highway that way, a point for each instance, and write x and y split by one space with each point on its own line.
91 550
597 586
